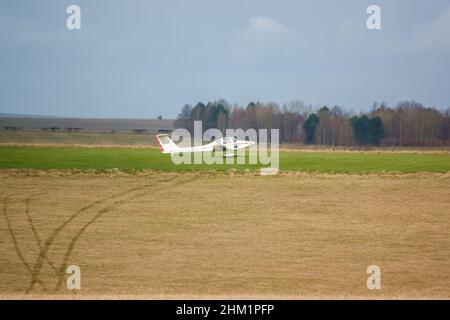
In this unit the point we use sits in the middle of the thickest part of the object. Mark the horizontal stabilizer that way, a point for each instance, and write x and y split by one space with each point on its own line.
166 144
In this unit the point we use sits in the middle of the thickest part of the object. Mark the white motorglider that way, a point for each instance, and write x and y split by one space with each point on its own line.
226 144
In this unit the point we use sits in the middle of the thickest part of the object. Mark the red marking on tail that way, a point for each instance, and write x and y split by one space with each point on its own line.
160 145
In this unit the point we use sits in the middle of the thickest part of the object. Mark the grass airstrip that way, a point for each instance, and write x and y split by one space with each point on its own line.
123 158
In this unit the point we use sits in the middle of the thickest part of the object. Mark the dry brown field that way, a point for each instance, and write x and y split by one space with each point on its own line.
194 235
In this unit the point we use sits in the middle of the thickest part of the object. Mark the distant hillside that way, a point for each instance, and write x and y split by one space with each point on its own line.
76 138
89 125
18 115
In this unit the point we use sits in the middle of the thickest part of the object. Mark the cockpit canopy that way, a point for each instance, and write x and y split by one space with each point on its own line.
229 140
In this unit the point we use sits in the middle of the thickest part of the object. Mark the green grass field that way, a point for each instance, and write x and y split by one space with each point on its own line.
151 159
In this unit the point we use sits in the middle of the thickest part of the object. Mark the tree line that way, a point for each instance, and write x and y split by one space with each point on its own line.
409 123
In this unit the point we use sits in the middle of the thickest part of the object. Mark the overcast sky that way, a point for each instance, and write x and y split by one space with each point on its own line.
148 58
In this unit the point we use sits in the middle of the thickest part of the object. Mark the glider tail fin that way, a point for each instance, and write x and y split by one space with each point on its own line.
166 144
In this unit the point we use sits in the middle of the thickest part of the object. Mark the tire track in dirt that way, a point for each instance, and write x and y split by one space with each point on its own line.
98 215
48 243
34 230
14 240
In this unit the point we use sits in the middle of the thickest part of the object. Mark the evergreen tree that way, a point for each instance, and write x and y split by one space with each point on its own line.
376 131
309 127
367 131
